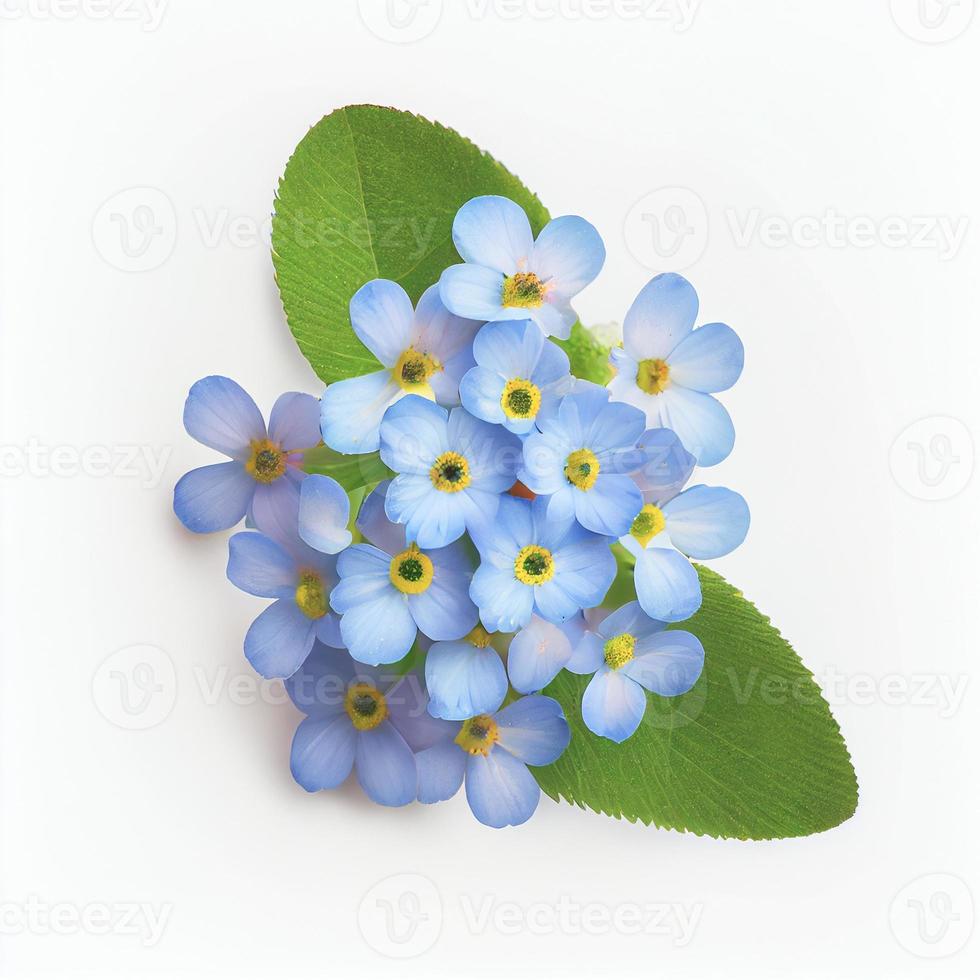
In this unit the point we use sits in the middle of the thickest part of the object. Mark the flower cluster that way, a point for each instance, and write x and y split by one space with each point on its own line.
417 629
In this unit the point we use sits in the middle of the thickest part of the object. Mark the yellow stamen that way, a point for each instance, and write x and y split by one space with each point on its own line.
523 289
653 375
534 565
582 469
267 462
478 735
450 473
619 650
648 524
411 571
479 637
365 706
521 399
311 596
413 370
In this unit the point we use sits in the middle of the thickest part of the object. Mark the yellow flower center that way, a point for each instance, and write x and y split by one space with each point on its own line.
413 370
365 706
478 735
582 469
534 565
450 473
523 289
311 596
619 650
267 462
653 375
478 637
521 399
648 524
411 571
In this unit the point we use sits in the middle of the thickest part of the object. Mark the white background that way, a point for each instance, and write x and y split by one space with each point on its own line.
784 110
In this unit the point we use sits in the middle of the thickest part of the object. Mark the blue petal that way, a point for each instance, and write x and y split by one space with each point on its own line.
552 366
609 506
542 468
275 508
414 432
509 348
667 663
219 413
475 292
259 566
407 702
432 518
382 315
512 529
536 655
709 359
444 611
587 653
464 680
493 454
493 231
505 603
373 522
500 790
568 254
278 642
295 421
707 522
213 498
440 770
667 585
554 316
661 316
615 426
534 730
584 570
376 624
324 511
351 411
629 618
613 705
449 339
322 754
700 421
386 766
319 686
480 392
668 467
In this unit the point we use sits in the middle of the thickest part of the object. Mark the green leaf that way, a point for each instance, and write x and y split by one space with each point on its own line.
752 751
372 192
588 357
351 472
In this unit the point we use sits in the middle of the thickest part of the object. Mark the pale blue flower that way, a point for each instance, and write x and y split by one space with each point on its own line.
492 752
702 522
518 375
582 458
263 476
629 653
274 563
359 719
451 469
390 589
423 352
667 369
507 275
530 563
